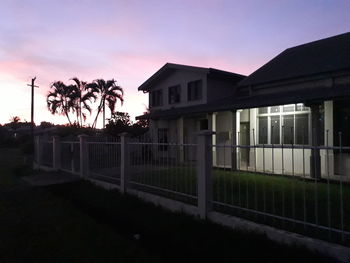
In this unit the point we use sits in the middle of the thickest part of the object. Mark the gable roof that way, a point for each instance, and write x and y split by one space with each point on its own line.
169 68
321 56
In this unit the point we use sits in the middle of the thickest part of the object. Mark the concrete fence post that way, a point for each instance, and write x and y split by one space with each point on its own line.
204 172
84 156
124 165
56 148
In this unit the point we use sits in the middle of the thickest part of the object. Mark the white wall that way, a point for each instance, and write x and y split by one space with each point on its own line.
261 160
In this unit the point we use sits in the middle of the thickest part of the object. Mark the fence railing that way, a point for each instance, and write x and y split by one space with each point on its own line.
269 184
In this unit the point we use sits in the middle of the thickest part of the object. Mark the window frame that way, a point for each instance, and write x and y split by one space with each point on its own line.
281 114
176 96
159 98
197 85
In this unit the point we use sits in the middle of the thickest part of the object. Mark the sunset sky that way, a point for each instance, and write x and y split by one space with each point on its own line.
129 40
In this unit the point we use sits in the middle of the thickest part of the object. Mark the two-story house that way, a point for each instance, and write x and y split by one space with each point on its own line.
299 98
179 96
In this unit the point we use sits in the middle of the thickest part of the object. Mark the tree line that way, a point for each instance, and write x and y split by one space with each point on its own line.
76 99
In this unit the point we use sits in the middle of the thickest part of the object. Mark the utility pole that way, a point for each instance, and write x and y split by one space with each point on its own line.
32 107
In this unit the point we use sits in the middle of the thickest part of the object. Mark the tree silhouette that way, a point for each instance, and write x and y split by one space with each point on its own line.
15 119
109 93
81 95
60 99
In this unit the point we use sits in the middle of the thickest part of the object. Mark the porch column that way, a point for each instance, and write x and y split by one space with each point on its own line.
233 139
180 127
315 159
328 155
212 127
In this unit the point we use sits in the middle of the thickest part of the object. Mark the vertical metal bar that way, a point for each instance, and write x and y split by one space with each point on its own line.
292 132
304 183
224 175
341 189
282 149
255 185
328 189
239 151
272 152
293 184
254 150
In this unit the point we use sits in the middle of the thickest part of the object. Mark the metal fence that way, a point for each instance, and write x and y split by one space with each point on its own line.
280 191
269 184
47 152
104 159
70 156
163 169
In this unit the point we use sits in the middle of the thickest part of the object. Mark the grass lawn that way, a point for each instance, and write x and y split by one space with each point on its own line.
294 198
79 222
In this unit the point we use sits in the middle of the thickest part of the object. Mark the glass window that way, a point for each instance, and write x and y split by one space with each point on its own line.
174 94
287 123
194 90
275 109
263 110
288 129
301 107
288 108
157 98
203 124
302 129
275 129
262 130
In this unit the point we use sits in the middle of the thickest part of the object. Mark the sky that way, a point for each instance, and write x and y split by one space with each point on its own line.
130 40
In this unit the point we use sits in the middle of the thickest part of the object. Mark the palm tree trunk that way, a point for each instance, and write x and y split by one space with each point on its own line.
70 123
80 112
98 113
104 114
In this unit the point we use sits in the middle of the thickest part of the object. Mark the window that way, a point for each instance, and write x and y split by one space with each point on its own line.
162 139
263 130
194 90
301 129
203 124
157 98
287 129
287 124
275 130
174 94
263 110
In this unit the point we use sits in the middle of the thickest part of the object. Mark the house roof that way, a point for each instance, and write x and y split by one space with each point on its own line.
318 57
169 68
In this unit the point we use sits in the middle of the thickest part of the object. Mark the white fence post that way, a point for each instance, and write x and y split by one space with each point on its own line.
84 156
56 148
204 172
124 166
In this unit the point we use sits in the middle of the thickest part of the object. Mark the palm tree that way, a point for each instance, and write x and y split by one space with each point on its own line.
82 94
109 93
59 99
